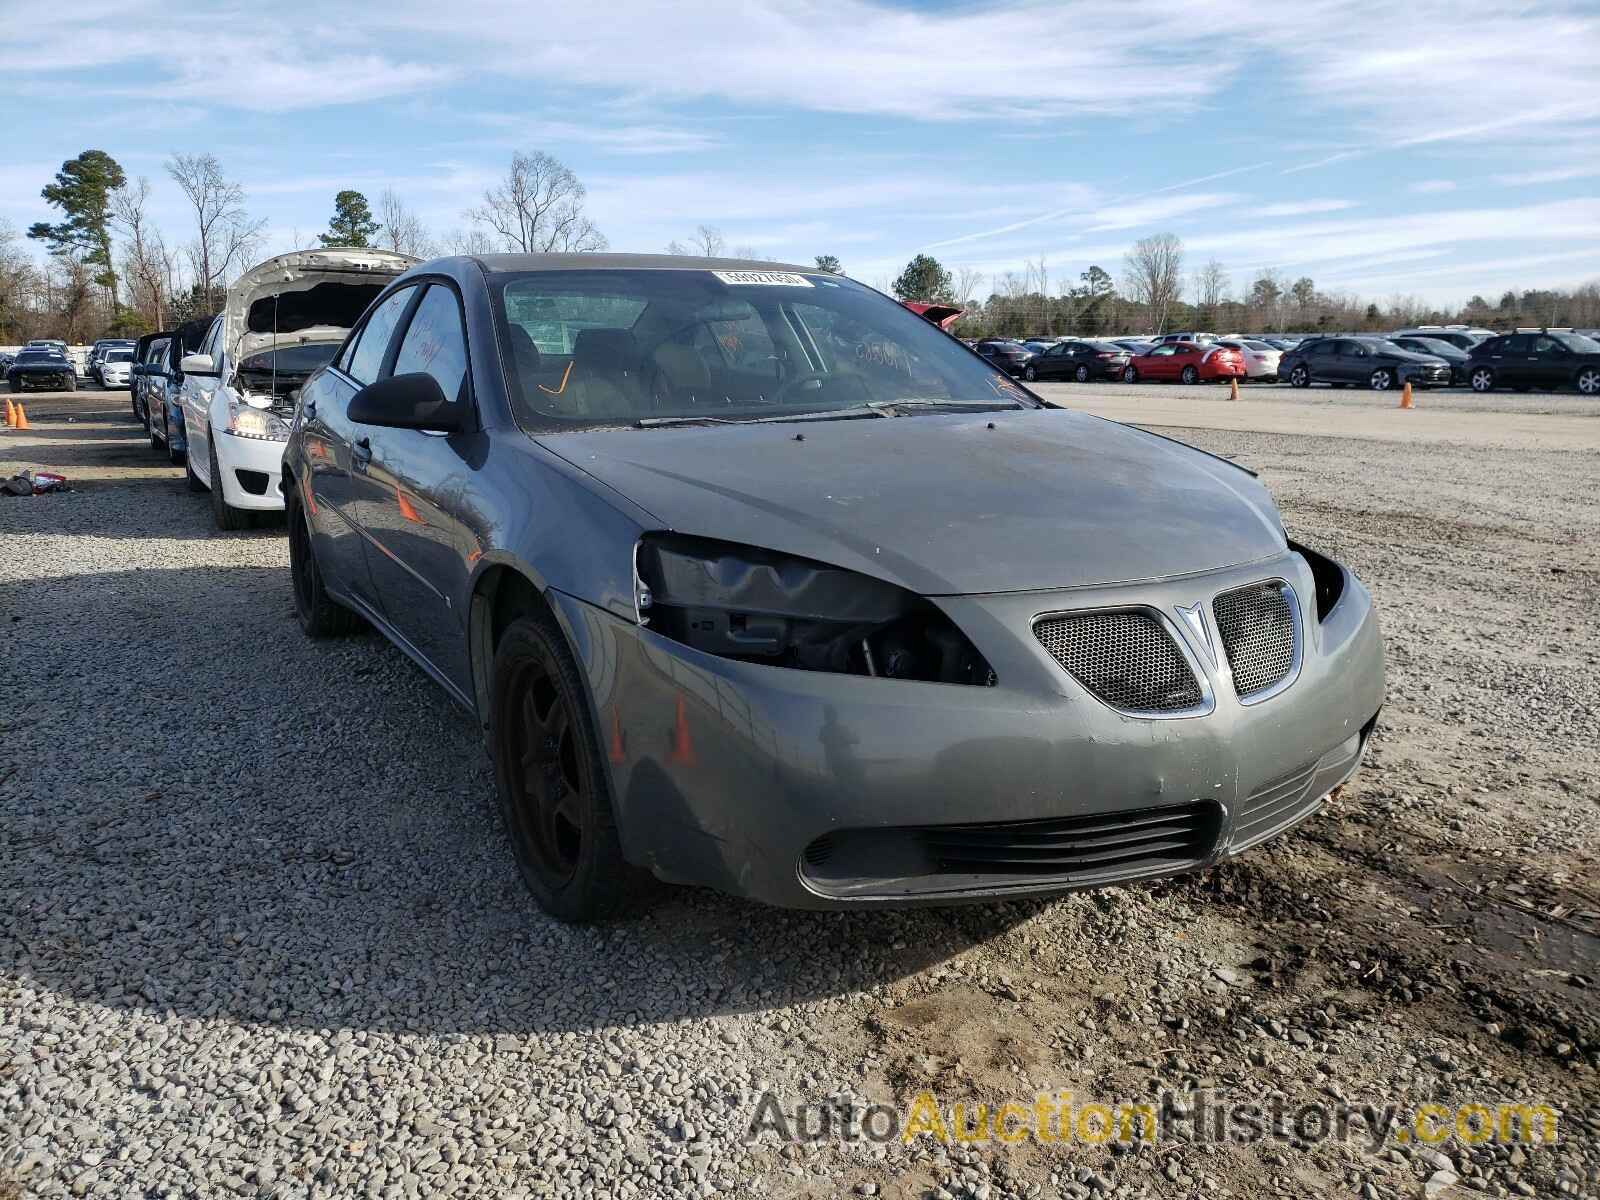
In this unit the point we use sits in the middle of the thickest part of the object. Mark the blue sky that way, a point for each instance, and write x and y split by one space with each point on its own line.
1437 151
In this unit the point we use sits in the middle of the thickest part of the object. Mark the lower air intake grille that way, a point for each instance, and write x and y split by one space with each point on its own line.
1257 628
1126 658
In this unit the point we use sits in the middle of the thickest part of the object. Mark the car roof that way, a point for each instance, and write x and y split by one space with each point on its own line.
505 263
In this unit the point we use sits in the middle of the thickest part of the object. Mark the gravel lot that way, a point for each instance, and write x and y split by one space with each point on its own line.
260 935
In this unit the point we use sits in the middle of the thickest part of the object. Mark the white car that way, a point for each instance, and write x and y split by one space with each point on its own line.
116 369
1260 359
281 320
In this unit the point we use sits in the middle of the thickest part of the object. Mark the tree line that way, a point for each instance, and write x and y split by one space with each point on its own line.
1159 292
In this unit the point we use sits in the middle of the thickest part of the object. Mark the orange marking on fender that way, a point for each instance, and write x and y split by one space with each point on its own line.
682 747
563 386
475 556
617 753
311 500
406 510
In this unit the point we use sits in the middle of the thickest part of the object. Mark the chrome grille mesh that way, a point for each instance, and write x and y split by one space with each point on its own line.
1257 628
1125 658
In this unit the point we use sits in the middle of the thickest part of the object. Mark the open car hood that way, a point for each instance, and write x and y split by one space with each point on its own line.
947 504
305 296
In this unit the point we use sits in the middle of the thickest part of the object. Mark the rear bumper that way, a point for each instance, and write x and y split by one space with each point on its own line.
813 790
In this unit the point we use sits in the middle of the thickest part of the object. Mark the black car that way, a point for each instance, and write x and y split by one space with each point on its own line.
149 356
1083 361
1437 348
48 369
1544 358
1011 357
1372 362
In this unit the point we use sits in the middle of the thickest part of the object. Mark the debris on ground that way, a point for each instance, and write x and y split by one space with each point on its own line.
34 483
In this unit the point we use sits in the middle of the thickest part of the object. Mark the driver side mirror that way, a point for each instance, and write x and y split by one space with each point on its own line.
198 364
414 401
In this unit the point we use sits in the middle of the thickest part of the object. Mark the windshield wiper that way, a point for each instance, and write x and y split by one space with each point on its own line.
949 405
659 422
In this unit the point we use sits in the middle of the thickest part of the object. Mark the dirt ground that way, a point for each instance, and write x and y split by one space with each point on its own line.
1432 936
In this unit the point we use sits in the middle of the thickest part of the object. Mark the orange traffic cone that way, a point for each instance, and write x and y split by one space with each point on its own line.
11 412
1405 395
22 418
1233 388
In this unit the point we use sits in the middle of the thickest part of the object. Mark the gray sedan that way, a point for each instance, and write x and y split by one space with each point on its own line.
756 580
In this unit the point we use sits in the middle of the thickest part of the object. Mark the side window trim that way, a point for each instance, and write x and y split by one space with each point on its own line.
341 362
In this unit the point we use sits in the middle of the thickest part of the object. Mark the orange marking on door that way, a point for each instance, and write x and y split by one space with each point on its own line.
406 510
563 386
311 500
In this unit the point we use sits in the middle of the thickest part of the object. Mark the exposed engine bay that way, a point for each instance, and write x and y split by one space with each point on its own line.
746 603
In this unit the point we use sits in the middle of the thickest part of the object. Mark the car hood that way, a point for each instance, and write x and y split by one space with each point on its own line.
946 504
309 295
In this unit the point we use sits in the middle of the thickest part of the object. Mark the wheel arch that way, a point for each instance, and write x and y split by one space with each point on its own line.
502 591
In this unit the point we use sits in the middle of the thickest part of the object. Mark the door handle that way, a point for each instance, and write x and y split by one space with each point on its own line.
361 454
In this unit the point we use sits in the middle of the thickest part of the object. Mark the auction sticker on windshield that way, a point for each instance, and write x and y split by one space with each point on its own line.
771 278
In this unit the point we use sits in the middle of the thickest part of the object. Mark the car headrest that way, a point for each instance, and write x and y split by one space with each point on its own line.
605 349
524 350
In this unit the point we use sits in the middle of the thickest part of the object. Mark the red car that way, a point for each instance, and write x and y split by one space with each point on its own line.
1190 362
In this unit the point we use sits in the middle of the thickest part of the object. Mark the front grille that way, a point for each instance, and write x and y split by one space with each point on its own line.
1078 851
1257 628
1126 658
1181 833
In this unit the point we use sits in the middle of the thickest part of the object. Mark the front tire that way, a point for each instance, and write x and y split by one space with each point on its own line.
1381 380
1081 374
551 780
1190 375
228 518
1029 373
1482 380
1588 381
319 614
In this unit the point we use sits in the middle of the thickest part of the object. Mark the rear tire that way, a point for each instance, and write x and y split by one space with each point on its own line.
1029 373
1190 375
1381 380
228 518
551 779
319 614
1300 378
1130 375
1482 380
1588 381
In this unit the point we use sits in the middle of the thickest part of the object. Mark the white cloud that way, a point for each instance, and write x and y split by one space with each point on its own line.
1156 210
1432 187
1553 175
1301 208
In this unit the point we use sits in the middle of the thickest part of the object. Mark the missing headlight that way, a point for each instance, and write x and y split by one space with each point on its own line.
759 606
1329 577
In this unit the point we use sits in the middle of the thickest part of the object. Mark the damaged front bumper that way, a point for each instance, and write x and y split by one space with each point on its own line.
817 790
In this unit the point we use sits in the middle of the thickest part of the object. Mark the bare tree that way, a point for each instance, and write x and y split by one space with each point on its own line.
469 241
538 208
402 229
967 280
17 279
1153 274
1210 290
224 235
142 264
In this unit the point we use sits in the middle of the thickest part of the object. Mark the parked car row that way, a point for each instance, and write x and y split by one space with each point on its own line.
1424 356
582 493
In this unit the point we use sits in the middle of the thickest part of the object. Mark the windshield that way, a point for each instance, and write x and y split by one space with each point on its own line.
620 347
120 356
290 360
40 356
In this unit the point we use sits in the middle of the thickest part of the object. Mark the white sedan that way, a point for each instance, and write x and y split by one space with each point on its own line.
116 369
1260 359
281 320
